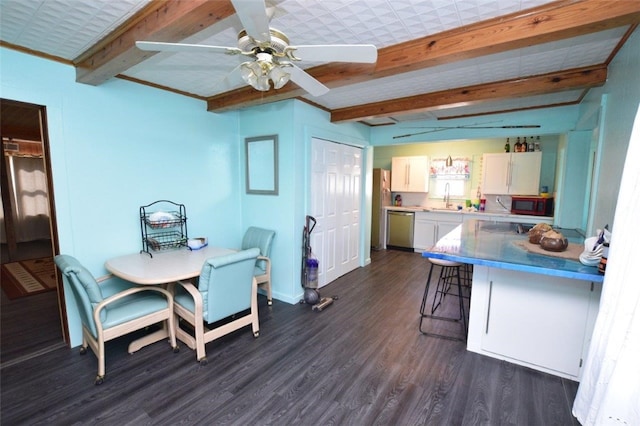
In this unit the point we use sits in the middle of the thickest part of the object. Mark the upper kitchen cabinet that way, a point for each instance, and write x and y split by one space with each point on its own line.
410 174
516 173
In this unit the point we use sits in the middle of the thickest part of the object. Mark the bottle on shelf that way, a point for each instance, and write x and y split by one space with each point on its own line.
507 146
517 146
530 147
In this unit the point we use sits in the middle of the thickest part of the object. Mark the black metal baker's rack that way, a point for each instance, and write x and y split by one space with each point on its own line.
167 232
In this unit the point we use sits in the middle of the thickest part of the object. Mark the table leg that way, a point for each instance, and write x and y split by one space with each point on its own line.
154 337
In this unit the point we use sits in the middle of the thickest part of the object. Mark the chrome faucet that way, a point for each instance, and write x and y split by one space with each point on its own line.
447 196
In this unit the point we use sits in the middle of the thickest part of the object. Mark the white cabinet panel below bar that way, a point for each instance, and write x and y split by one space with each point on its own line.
539 321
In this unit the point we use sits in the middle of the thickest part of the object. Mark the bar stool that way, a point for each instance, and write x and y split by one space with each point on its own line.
450 276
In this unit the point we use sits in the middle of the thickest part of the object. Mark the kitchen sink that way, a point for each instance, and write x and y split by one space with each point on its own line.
499 227
502 227
444 209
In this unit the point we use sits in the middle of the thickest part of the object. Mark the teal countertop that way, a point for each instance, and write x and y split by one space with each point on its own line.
489 243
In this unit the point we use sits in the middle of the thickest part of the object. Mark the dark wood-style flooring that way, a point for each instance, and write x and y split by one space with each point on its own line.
362 361
28 325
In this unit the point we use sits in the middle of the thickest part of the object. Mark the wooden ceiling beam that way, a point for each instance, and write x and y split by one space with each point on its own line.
550 22
547 23
161 20
580 78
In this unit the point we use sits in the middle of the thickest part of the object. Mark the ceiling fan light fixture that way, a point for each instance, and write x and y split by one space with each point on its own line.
263 83
278 76
258 73
250 72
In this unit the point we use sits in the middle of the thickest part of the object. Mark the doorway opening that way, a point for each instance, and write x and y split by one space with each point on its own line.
33 317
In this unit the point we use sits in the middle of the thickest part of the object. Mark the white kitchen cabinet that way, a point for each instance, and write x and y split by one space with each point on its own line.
540 321
410 174
424 232
430 227
515 173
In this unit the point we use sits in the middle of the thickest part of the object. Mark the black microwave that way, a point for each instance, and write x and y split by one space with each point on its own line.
535 206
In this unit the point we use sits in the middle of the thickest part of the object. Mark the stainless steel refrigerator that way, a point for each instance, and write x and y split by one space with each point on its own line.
381 197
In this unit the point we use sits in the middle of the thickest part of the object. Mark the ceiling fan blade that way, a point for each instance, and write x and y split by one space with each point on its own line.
180 47
254 19
232 80
365 53
306 81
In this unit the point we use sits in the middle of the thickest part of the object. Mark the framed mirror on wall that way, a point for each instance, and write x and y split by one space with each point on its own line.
262 165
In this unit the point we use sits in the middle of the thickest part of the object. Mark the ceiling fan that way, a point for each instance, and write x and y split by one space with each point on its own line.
271 57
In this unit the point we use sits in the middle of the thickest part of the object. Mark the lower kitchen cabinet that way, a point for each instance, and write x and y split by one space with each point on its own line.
540 321
430 227
425 232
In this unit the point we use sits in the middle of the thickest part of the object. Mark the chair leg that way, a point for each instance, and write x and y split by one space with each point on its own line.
269 298
201 354
255 323
171 325
101 368
255 320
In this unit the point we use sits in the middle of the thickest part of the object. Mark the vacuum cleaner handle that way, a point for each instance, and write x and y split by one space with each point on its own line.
310 228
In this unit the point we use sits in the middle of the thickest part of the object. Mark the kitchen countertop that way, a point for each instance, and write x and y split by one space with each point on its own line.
499 213
490 243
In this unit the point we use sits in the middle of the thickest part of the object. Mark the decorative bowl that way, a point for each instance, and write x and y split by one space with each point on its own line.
554 244
537 231
534 237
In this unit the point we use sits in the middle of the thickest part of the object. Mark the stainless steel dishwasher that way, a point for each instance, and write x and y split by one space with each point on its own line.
400 229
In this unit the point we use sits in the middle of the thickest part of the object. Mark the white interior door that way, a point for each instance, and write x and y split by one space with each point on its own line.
336 183
350 208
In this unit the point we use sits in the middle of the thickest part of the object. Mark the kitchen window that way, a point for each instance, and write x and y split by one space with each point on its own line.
457 175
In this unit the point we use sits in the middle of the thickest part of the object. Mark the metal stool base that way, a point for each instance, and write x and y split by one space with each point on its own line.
449 276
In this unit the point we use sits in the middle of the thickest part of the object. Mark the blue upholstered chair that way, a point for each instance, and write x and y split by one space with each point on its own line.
111 307
262 239
226 288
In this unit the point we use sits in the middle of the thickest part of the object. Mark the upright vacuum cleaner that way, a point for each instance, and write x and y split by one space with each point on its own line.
309 270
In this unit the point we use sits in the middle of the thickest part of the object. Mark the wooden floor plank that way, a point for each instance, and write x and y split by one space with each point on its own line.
361 361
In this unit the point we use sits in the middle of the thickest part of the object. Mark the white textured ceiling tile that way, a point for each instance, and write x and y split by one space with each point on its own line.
65 28
15 16
467 11
524 102
528 4
588 54
394 32
406 10
448 16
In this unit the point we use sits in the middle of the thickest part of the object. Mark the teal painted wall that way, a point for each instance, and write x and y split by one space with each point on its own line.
611 110
573 174
120 145
295 123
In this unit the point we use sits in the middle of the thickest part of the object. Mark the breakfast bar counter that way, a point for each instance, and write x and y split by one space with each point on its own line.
530 309
494 244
